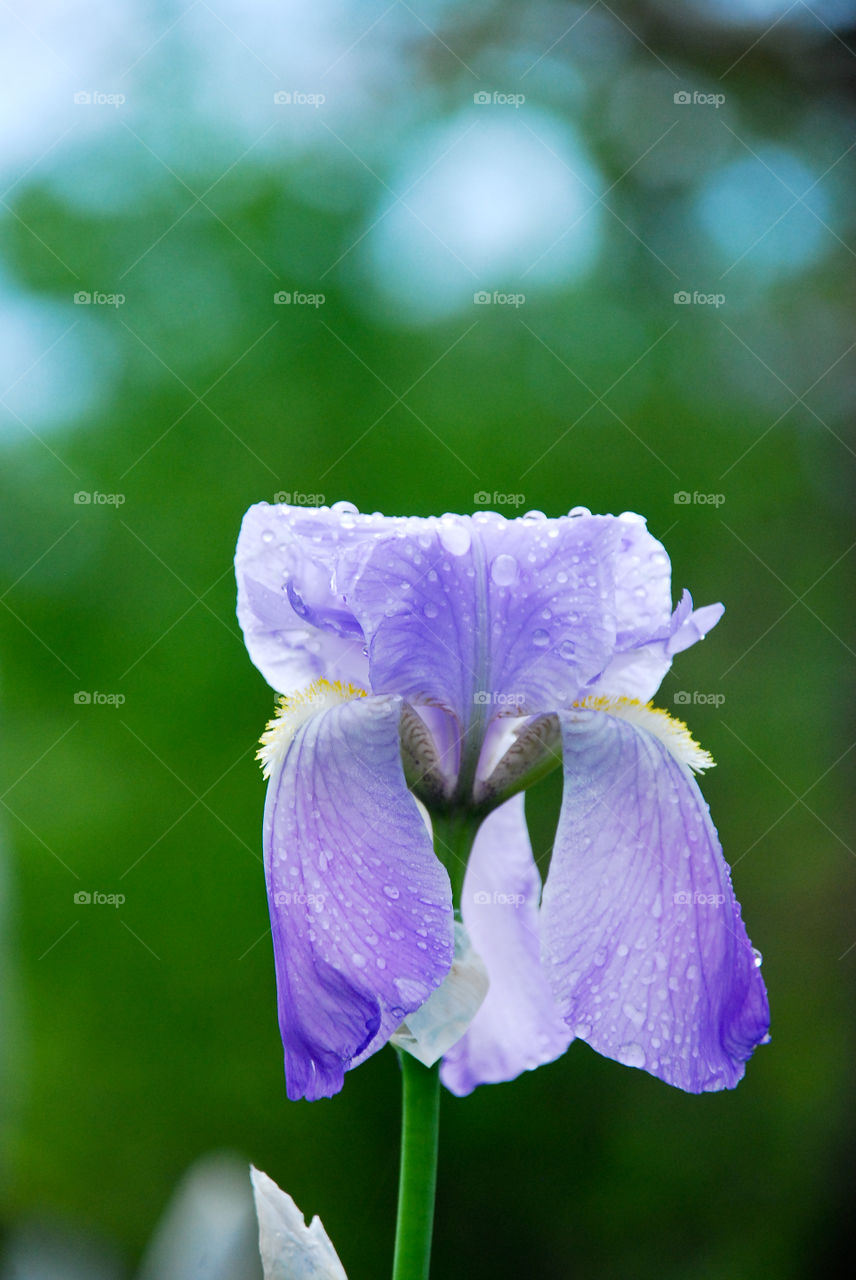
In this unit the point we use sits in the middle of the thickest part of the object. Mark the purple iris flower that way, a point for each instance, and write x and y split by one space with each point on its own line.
455 659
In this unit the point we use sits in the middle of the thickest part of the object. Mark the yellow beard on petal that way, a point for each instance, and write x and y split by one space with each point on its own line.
674 734
293 710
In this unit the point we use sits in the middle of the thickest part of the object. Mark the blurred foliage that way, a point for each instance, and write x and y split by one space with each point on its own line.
140 1037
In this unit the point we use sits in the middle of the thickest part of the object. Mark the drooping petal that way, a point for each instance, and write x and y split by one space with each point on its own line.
484 614
289 1249
296 625
642 937
518 1026
361 909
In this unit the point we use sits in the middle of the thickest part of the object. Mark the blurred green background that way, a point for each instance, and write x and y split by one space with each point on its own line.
654 200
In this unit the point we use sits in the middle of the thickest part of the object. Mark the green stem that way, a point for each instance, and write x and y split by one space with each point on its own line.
418 1177
454 833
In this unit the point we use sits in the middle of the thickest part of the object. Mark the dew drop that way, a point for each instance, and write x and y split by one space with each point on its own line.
636 1016
540 638
504 570
358 960
390 891
454 536
567 650
759 959
430 610
267 535
631 1055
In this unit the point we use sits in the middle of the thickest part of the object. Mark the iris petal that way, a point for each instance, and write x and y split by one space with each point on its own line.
361 909
518 1026
296 626
487 612
642 936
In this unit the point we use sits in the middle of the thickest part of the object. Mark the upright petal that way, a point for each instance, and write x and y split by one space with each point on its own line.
361 908
296 625
642 937
518 1026
483 612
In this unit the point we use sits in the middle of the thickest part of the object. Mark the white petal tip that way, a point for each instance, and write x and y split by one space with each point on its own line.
289 1249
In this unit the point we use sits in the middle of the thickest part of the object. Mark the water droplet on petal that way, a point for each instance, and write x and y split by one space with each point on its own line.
455 537
631 1055
759 959
390 891
345 508
358 960
540 638
567 649
430 610
267 535
636 1016
504 570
